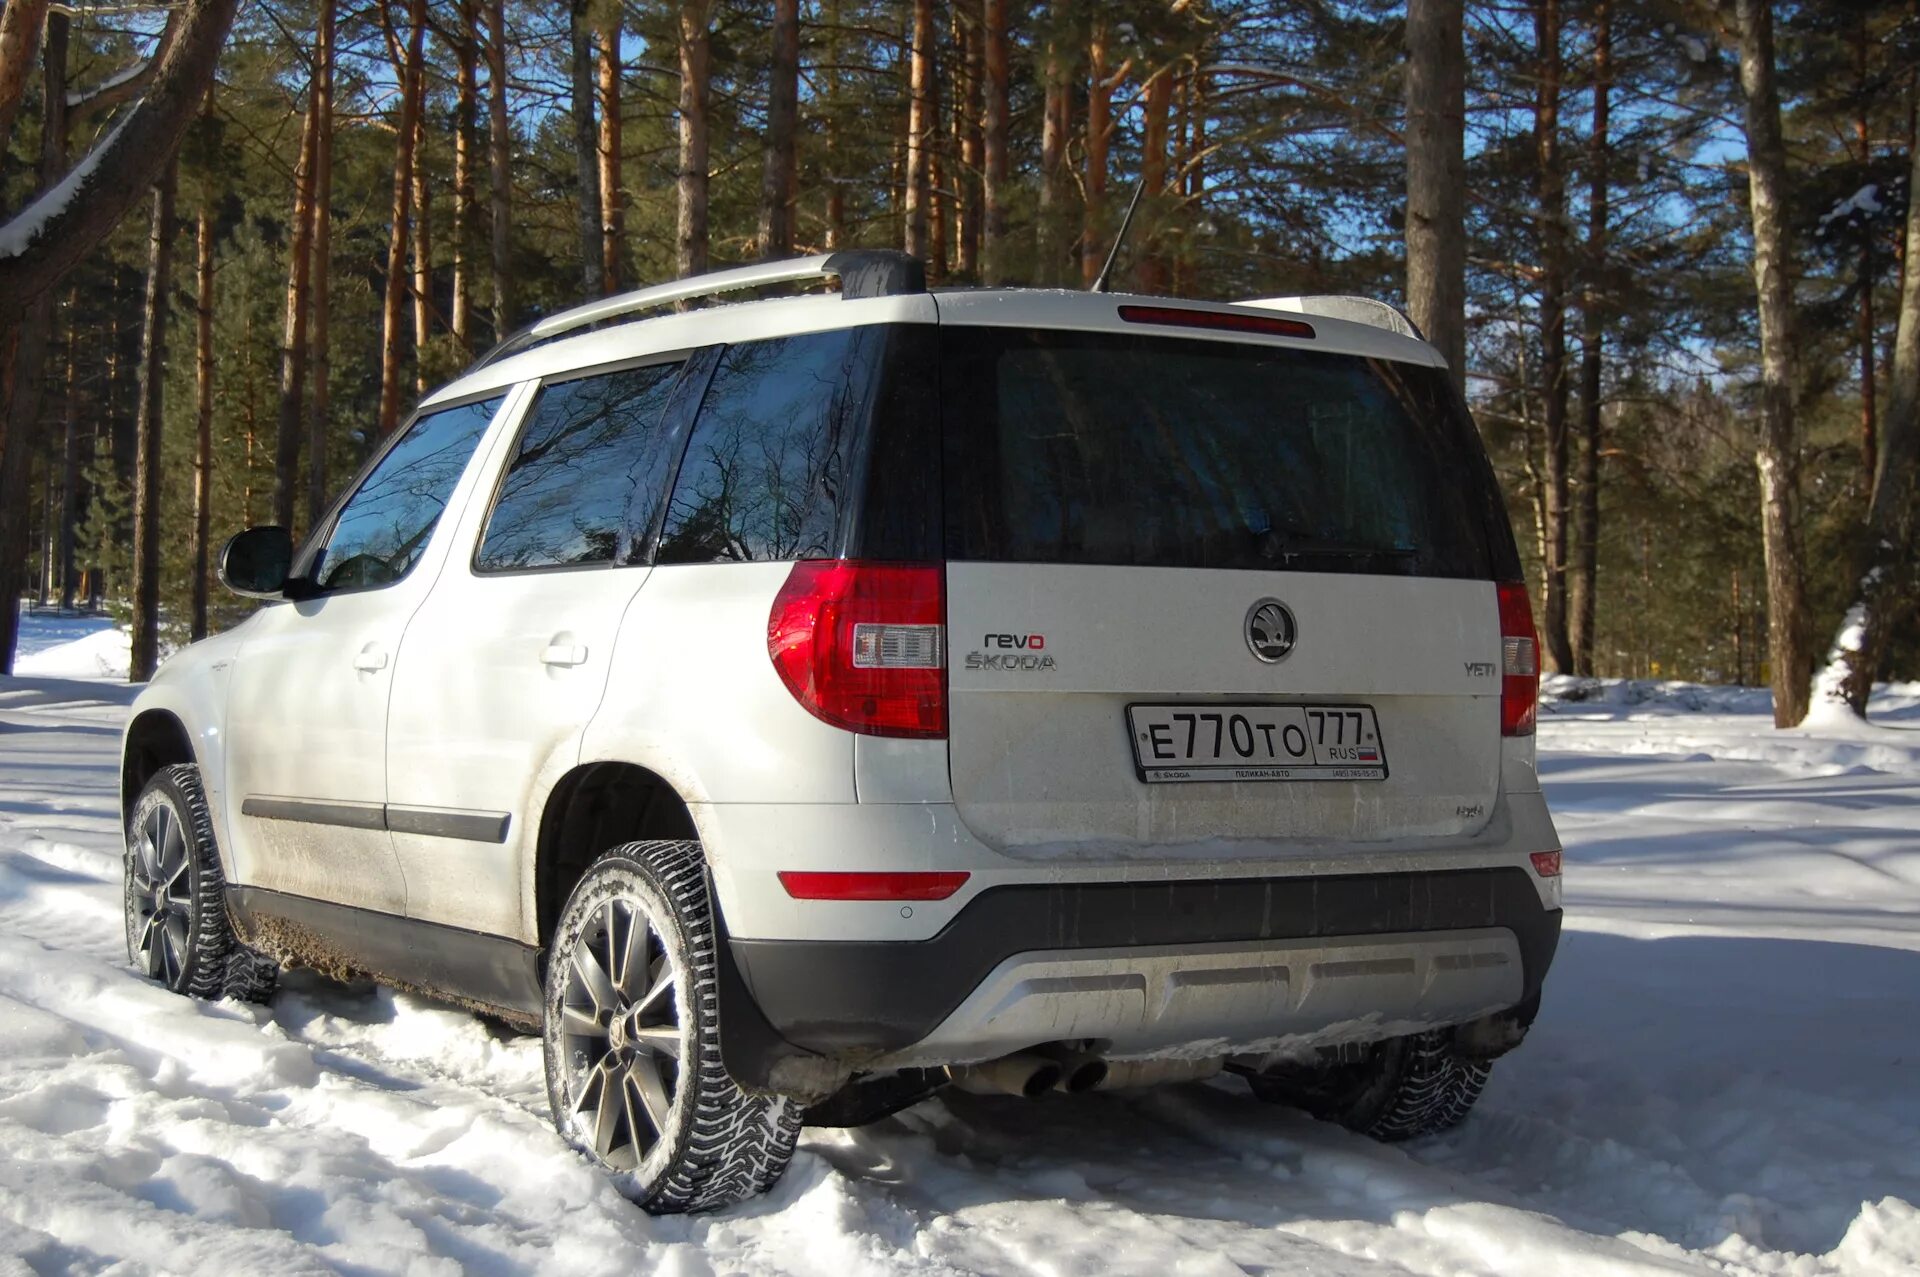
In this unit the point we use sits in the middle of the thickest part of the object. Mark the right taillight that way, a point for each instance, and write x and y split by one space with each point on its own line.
863 645
1519 661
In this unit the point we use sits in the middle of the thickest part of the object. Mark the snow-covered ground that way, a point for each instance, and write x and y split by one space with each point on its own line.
1725 1078
54 646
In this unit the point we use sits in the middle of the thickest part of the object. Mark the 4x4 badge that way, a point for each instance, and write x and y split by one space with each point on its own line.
1271 630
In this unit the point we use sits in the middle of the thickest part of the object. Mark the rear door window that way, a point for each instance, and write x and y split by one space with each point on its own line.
1067 447
586 475
767 473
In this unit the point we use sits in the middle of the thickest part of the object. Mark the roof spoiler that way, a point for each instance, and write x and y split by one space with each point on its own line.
1359 310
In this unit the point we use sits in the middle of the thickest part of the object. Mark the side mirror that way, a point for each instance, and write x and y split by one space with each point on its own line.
255 562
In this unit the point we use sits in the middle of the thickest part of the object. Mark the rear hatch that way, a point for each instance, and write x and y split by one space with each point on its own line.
1203 590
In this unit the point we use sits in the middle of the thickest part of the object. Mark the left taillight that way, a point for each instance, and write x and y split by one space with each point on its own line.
1519 660
863 645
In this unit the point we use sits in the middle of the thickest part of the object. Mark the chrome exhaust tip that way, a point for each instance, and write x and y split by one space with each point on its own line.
1023 1073
1081 1073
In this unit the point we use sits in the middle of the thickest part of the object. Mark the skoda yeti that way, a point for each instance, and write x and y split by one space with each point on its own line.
791 707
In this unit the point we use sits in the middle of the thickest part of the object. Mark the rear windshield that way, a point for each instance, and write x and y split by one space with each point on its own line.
1066 447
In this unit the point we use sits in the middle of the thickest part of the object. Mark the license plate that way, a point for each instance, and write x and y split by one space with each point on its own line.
1256 742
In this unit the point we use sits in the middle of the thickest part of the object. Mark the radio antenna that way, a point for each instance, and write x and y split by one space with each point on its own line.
1126 223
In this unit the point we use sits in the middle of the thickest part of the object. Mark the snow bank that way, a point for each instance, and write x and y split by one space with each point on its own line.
71 647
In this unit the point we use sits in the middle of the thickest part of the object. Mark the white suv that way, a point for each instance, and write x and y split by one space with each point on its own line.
794 706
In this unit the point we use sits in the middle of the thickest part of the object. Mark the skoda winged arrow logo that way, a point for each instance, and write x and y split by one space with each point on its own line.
1271 630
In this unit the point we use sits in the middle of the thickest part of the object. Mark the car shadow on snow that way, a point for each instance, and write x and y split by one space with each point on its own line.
1696 1089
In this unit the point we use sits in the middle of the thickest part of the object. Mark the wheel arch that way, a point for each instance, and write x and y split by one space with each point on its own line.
594 806
155 738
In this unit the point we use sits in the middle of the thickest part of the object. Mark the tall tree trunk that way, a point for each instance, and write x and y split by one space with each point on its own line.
1550 179
1436 87
1197 166
249 420
613 190
1777 455
500 174
783 122
422 286
836 210
696 51
466 127
993 143
1869 447
21 22
1055 128
203 414
70 458
920 118
1152 270
1099 133
1586 511
1889 579
586 146
939 201
392 334
146 483
293 346
968 144
23 354
322 284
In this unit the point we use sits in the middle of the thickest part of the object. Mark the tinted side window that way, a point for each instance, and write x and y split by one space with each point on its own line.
385 524
766 470
586 462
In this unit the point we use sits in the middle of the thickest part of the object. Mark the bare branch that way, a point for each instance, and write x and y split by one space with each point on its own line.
45 239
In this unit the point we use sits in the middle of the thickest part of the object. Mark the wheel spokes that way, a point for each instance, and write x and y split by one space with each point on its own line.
173 939
581 1023
145 859
662 985
634 1106
149 944
629 954
593 981
660 1039
174 861
607 1113
643 1078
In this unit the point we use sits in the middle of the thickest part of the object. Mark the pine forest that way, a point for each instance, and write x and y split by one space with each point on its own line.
1668 247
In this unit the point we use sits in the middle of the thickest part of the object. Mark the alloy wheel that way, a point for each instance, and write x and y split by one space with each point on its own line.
622 1040
160 895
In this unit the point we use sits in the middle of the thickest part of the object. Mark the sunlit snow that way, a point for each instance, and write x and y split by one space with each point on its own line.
1722 1080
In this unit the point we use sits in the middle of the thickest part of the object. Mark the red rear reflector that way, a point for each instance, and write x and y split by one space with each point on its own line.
1546 863
1181 317
863 645
871 886
1519 661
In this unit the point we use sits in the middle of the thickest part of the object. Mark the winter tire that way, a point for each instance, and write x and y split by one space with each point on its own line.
178 931
632 1037
1403 1088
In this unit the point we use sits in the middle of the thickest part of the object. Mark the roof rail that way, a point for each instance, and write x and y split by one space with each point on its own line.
862 272
1360 310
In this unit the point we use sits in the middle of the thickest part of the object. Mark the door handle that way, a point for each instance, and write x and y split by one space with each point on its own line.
371 658
561 652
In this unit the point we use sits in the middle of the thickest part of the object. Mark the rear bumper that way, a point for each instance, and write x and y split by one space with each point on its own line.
1238 964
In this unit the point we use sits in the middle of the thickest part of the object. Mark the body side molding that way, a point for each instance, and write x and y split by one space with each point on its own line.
433 822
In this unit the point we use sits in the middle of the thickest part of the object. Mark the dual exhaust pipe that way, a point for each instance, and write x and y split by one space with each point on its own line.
1034 1073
